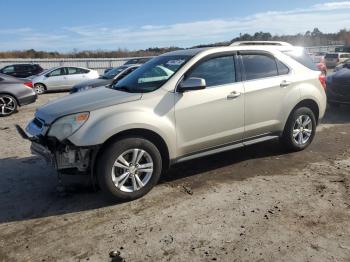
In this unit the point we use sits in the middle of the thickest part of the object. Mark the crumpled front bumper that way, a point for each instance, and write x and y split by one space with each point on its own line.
63 156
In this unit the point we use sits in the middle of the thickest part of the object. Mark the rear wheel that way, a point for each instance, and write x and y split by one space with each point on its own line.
8 105
39 89
129 168
300 129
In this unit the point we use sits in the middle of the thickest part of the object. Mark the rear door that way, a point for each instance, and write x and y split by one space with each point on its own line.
266 82
75 76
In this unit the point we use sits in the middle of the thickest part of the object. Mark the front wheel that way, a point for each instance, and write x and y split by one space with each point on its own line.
129 168
300 129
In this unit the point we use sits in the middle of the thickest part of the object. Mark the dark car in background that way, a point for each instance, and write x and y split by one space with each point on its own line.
134 61
13 93
108 78
345 64
21 70
338 87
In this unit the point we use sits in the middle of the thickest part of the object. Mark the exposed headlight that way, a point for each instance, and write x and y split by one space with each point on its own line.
68 125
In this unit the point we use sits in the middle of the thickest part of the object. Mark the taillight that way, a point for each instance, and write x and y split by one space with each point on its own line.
28 84
322 79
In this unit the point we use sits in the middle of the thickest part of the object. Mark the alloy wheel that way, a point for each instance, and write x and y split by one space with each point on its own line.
132 170
7 105
302 130
39 89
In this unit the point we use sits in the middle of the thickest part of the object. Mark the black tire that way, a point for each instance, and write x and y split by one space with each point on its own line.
39 89
8 105
108 158
288 137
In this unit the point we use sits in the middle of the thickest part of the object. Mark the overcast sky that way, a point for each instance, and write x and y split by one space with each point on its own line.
110 24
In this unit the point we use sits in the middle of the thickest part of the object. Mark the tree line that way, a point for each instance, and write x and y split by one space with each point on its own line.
309 38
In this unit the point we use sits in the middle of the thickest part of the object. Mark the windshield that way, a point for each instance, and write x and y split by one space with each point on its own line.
151 75
113 72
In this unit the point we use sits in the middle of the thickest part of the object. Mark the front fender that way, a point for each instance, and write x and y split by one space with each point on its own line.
100 127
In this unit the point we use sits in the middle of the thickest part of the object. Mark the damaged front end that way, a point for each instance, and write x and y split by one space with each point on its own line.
63 155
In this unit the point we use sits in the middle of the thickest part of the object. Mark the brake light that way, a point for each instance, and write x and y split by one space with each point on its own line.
28 84
322 79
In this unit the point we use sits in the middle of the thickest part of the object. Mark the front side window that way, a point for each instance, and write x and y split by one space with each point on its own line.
152 75
216 71
57 72
8 70
259 66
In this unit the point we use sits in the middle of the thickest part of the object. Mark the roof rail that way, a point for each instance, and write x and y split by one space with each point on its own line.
275 43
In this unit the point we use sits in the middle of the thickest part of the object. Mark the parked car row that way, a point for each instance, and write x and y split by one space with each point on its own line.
20 84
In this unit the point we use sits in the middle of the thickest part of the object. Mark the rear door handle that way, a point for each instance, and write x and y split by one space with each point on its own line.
285 83
234 95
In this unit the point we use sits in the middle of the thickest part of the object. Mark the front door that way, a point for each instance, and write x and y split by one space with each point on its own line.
213 116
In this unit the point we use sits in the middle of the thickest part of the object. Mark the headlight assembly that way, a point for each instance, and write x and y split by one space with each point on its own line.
67 125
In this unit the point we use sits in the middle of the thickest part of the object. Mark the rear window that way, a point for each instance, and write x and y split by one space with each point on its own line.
302 57
331 56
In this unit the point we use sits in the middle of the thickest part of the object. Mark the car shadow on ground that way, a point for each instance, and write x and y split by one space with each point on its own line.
28 188
337 115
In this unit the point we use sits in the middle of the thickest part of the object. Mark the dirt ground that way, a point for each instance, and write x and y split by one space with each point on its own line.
258 203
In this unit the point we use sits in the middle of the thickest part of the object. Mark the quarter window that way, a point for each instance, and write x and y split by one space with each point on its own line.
282 68
216 71
259 66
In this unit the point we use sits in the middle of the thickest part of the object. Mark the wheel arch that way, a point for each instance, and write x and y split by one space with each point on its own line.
150 135
40 83
10 94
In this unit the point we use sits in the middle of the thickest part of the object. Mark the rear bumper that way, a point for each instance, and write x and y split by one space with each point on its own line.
27 99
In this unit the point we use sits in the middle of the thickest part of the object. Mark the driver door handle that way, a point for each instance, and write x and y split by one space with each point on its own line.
233 95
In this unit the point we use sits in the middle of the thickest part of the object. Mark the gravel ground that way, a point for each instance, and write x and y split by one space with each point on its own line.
258 203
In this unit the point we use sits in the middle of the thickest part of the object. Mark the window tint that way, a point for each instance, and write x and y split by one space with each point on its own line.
9 69
282 68
82 71
57 72
72 70
259 66
216 71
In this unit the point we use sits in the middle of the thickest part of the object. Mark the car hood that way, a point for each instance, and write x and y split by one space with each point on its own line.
94 83
83 102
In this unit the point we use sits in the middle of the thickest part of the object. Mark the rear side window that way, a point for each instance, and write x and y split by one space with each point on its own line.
216 71
303 58
258 66
82 71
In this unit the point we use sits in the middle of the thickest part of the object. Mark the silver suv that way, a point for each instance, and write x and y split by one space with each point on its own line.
180 106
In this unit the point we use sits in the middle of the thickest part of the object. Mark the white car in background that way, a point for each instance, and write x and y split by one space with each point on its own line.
62 78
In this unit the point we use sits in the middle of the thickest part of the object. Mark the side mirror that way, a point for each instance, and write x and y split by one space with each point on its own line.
192 84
